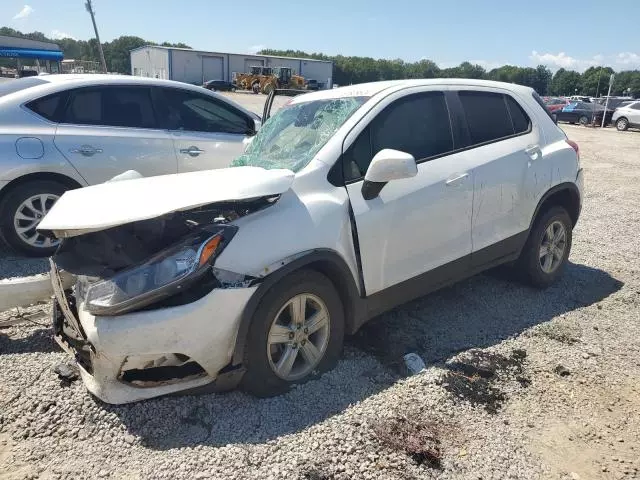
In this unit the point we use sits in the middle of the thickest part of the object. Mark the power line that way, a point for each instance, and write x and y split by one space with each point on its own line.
89 8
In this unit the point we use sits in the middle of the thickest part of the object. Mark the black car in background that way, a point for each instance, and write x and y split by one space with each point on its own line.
584 113
219 86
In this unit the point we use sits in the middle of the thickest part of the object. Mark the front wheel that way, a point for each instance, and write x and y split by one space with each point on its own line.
546 252
583 120
622 124
21 212
296 332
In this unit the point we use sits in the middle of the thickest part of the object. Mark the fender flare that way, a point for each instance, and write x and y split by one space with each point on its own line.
569 186
338 273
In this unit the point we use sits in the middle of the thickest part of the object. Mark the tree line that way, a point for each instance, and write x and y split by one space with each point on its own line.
116 53
594 81
349 69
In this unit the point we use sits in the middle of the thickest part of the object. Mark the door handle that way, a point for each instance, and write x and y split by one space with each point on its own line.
86 150
457 179
533 151
193 151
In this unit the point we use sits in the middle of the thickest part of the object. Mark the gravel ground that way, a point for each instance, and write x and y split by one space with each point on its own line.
519 383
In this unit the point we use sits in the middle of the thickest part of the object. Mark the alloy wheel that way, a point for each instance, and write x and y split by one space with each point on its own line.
298 337
552 247
29 215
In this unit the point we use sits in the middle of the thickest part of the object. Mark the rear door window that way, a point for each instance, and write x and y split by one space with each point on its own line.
190 111
115 106
487 116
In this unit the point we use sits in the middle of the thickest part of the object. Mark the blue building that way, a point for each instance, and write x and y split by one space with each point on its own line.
45 56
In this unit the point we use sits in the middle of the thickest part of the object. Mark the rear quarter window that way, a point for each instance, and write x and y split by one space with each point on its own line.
49 107
539 101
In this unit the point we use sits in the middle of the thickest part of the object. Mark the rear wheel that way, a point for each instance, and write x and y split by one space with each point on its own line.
622 124
583 120
296 332
21 212
546 252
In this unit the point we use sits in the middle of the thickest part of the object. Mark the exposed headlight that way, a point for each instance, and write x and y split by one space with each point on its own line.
163 275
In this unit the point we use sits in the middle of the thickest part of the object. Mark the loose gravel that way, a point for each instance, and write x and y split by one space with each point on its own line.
491 404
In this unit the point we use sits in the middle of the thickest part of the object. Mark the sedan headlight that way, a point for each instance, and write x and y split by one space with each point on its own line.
164 275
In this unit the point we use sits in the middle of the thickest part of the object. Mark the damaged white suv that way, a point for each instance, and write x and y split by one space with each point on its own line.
347 203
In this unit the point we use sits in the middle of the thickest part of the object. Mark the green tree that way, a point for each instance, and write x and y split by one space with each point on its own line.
566 82
595 81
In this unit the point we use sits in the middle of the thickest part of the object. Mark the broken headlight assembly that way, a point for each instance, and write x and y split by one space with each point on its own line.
167 273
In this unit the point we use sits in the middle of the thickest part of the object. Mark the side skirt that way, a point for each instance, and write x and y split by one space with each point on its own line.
499 253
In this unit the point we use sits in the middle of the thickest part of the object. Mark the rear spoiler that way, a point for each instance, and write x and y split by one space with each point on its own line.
288 92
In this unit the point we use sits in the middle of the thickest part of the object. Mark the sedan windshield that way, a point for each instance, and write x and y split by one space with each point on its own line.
292 137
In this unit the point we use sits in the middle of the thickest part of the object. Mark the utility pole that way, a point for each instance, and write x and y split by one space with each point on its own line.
89 8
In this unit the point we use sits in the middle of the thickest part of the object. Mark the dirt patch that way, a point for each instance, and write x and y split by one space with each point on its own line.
420 440
473 377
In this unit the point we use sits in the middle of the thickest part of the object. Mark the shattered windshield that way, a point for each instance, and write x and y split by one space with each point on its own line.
294 134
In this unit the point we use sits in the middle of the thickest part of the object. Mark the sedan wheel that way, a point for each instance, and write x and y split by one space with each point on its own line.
622 124
22 211
296 332
29 215
583 120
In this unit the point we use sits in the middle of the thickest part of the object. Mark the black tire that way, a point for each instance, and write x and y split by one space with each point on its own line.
260 379
255 88
10 206
583 120
528 265
622 124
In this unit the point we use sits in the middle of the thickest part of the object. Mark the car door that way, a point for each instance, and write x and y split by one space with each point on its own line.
510 171
417 224
207 132
107 130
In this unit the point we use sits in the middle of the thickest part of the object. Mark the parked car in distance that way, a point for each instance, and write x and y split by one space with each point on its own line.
555 103
613 102
580 98
59 132
346 203
627 115
583 113
312 84
219 86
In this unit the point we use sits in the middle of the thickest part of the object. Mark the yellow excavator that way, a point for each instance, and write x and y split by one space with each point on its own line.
282 77
265 79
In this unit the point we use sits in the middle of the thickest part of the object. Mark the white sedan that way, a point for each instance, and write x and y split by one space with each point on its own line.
60 132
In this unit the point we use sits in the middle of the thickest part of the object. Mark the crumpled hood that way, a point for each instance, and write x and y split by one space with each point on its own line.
110 204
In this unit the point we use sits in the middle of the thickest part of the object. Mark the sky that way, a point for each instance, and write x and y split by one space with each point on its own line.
488 32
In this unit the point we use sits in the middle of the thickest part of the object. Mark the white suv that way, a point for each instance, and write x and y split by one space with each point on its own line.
347 203
627 115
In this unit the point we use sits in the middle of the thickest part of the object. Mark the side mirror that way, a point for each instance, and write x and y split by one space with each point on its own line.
387 165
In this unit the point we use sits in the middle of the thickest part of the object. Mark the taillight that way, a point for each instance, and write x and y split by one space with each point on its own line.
574 145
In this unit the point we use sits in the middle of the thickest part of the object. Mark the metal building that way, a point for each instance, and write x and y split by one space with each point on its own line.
197 67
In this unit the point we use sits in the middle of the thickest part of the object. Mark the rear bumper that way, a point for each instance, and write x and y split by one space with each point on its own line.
147 354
